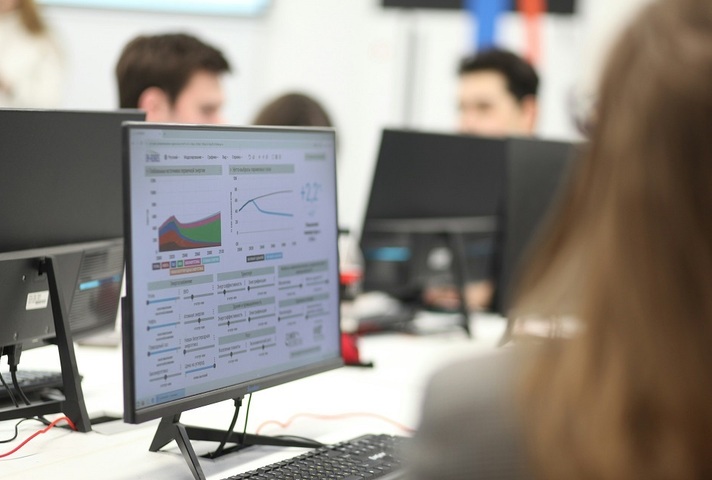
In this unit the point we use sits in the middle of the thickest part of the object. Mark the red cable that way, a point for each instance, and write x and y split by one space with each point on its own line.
334 417
66 419
532 11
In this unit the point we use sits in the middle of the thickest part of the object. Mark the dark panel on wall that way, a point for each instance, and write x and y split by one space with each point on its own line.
554 6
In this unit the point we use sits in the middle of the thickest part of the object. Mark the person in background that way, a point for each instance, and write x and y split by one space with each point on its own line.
173 77
625 270
295 110
497 94
31 64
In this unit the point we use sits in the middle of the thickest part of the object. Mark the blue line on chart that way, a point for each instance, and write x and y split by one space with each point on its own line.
164 351
163 325
199 369
159 300
267 212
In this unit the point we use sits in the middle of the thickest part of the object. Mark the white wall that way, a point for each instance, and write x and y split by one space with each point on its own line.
354 56
93 39
603 21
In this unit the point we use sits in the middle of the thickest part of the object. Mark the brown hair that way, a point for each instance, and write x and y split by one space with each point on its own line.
294 110
165 61
31 18
629 255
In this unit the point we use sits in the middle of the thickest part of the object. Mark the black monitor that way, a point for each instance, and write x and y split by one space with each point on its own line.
429 189
232 266
61 198
536 170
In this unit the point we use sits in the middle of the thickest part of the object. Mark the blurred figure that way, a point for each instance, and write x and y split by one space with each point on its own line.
173 78
497 94
295 110
31 68
627 264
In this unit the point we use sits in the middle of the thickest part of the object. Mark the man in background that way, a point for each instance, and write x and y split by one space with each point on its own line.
497 97
174 78
497 94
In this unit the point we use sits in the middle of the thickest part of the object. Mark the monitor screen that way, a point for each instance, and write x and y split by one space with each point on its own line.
427 186
232 268
61 196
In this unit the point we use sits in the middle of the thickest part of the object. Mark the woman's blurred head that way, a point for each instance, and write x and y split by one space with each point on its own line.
629 256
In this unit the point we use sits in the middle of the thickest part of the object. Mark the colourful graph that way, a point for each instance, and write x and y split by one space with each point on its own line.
265 211
174 235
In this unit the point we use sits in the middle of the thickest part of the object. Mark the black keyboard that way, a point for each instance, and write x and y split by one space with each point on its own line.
31 381
366 457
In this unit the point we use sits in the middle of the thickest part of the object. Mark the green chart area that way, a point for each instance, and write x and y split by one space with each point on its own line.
176 235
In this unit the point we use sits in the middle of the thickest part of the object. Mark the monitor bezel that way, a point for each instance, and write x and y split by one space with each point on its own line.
174 407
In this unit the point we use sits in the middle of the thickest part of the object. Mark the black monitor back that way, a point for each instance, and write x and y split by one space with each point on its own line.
62 177
422 175
536 171
61 196
427 185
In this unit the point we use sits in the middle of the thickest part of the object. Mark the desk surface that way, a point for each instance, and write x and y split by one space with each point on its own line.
115 450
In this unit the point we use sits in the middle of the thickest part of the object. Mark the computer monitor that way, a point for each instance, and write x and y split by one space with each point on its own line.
429 189
61 197
536 170
232 266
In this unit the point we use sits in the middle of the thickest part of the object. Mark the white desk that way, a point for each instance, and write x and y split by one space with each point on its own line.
118 451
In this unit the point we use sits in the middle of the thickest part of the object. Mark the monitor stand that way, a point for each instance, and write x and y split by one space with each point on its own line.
171 428
458 267
73 405
451 231
404 319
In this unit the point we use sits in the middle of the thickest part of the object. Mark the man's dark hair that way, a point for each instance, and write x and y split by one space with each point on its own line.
522 79
165 61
